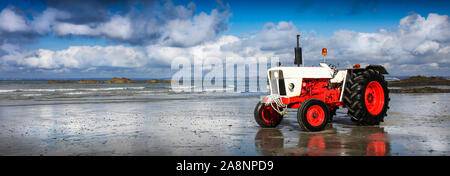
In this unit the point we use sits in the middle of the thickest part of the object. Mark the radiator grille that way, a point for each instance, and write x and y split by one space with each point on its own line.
277 82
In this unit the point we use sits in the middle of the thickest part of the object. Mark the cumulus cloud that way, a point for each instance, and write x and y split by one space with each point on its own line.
202 27
167 24
16 28
11 22
81 57
420 45
152 36
418 41
42 24
136 23
141 24
117 28
275 37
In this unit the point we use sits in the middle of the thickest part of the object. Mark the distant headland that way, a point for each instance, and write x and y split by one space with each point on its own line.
420 81
110 81
410 85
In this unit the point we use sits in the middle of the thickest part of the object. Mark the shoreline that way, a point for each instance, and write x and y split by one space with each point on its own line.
404 84
420 90
109 81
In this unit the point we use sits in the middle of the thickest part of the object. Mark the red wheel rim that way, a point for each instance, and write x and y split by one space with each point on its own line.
374 98
315 115
269 115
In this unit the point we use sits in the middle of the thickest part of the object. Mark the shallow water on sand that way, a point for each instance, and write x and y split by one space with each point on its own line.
210 124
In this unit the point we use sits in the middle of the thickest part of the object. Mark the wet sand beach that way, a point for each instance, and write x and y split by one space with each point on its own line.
207 124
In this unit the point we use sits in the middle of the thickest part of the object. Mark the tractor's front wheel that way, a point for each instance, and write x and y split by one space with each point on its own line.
266 116
313 115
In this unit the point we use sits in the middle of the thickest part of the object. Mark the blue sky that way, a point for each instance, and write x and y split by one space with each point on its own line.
248 17
60 26
326 17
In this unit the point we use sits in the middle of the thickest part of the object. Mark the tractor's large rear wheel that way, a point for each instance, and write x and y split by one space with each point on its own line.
366 97
266 116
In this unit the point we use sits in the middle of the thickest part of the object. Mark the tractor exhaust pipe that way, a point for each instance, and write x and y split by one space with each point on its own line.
298 53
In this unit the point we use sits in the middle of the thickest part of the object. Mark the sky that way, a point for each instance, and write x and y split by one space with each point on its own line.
140 39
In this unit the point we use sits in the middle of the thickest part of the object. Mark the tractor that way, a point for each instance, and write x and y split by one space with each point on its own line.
317 92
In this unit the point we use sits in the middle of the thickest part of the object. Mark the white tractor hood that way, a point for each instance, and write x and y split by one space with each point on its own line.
304 72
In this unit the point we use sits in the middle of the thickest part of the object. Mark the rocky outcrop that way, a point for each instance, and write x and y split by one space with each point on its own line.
118 81
89 82
126 80
419 81
153 81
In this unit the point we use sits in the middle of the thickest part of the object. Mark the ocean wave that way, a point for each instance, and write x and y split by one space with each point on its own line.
43 90
31 95
7 90
112 88
81 93
71 89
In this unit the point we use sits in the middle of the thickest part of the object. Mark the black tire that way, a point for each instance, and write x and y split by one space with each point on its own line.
355 96
267 122
354 120
302 115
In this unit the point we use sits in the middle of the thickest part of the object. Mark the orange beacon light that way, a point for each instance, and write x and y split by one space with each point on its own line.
324 51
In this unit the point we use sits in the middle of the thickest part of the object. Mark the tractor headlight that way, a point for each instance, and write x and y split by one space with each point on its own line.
291 86
275 74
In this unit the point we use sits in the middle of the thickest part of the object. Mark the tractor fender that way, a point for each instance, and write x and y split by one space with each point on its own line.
378 68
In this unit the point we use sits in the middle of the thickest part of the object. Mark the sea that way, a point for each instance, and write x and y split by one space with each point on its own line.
35 92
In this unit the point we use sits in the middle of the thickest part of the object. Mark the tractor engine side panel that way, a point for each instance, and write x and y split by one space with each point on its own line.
315 88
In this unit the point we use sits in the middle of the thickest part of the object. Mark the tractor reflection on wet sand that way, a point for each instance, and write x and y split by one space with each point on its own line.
317 92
